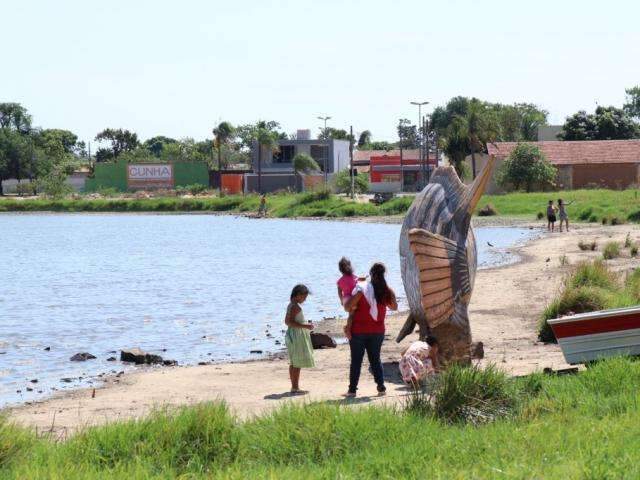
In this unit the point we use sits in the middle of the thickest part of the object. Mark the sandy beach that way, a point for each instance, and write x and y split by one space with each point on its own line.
505 307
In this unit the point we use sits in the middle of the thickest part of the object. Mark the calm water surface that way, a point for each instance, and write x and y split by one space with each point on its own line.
205 288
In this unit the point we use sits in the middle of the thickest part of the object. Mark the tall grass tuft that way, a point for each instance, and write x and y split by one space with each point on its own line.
584 246
611 250
467 394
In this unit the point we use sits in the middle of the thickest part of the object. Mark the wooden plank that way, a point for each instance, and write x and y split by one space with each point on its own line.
435 274
427 263
436 298
428 287
429 250
431 241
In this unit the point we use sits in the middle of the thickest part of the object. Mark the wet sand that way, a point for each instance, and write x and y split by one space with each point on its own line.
505 307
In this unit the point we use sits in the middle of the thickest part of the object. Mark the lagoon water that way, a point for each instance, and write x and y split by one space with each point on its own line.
203 287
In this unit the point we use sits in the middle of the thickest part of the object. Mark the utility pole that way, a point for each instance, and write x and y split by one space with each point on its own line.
325 118
351 162
419 139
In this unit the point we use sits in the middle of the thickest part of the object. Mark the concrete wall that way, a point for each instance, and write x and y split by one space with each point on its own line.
114 175
610 175
75 180
272 182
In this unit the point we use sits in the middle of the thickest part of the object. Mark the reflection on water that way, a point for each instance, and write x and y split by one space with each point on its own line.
200 287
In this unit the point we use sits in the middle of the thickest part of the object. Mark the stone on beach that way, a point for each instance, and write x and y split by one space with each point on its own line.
321 340
140 357
81 357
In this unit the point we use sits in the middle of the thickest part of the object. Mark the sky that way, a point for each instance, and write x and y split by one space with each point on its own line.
177 68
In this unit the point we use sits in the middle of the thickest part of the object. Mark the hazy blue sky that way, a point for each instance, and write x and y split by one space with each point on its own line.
178 67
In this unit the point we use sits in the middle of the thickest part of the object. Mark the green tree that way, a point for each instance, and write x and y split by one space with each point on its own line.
223 134
364 139
481 128
632 103
526 167
407 133
14 116
68 140
606 123
333 133
342 182
120 141
156 144
303 163
378 145
247 134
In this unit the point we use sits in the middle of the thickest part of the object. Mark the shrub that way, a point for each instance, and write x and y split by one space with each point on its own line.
26 188
108 192
627 241
467 394
634 216
487 211
55 184
342 182
605 220
587 246
585 214
540 216
564 260
593 219
572 300
592 274
611 250
634 250
616 221
196 188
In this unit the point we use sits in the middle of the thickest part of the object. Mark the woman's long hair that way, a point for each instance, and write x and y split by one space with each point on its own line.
380 288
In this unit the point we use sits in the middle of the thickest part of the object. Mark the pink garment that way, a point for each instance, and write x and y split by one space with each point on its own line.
346 284
415 364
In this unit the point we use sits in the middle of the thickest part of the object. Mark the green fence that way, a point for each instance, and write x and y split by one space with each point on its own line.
114 175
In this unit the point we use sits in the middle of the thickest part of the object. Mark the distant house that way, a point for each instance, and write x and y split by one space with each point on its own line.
580 164
391 173
277 167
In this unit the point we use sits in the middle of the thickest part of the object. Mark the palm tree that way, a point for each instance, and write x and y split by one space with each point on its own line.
266 139
482 128
223 133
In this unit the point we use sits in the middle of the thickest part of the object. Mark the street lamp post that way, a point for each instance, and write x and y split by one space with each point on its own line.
326 152
418 128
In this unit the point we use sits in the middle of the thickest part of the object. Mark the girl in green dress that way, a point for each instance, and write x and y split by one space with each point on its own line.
298 337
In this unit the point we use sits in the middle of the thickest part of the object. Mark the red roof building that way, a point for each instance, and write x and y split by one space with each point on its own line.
602 163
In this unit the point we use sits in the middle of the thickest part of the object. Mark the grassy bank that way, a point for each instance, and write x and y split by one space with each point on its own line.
610 206
590 287
569 427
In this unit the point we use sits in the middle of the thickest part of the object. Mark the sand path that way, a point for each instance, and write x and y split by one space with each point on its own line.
505 306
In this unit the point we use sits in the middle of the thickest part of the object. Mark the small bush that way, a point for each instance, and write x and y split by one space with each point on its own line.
605 220
611 250
634 250
593 219
467 394
616 221
634 216
487 211
585 214
564 260
540 216
593 245
572 300
627 241
26 188
108 192
196 188
592 274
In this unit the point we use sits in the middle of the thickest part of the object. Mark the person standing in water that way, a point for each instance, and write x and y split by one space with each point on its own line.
562 213
298 337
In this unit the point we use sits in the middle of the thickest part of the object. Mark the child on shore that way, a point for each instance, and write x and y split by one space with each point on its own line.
346 284
562 213
298 337
551 216
419 360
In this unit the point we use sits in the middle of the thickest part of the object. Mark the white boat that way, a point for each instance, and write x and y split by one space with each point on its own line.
595 335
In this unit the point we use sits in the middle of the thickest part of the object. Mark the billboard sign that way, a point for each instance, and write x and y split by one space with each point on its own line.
149 175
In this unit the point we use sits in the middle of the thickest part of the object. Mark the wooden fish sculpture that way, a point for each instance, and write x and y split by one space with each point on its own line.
438 260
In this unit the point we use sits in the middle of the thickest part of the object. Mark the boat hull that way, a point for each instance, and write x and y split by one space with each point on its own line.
596 335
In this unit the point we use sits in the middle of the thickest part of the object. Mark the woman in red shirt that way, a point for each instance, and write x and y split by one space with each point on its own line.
367 330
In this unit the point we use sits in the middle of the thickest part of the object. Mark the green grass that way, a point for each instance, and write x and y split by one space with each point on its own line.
611 250
608 206
590 287
568 427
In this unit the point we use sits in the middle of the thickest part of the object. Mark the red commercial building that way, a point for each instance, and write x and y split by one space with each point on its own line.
388 174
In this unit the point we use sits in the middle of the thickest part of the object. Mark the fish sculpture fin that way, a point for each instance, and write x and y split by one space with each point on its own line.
444 274
472 194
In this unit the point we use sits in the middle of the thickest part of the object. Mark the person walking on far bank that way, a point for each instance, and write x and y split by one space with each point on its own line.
367 330
562 213
298 337
262 209
551 216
